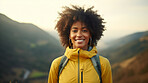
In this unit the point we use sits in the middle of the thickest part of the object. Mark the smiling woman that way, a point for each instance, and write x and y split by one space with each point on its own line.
79 31
79 35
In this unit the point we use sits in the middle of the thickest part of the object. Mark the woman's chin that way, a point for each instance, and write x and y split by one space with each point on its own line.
82 47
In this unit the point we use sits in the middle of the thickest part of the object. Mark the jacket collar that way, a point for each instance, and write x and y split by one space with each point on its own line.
73 53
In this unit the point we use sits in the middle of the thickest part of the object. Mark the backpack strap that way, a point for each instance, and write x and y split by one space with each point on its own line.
96 63
95 60
63 63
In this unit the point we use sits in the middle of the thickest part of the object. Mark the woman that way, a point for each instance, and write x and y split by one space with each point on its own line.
79 31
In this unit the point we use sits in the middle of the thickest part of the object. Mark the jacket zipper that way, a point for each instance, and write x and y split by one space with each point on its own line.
78 68
82 76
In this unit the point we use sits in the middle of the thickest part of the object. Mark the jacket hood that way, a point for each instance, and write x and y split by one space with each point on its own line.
73 54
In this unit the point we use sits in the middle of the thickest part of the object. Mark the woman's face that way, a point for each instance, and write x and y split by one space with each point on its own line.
79 35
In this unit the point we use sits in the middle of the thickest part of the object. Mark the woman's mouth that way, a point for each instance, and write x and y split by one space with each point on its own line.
79 40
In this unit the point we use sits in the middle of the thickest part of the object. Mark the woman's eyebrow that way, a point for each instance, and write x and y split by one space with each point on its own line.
74 27
84 27
77 28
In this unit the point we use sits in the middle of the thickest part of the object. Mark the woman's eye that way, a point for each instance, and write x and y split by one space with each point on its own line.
74 30
84 30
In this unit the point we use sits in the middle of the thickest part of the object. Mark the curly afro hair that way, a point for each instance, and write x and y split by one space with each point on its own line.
90 18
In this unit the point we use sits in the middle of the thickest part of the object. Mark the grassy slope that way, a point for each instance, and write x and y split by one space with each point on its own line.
129 60
128 50
135 71
25 46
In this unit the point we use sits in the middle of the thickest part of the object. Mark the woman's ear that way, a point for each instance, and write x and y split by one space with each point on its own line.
70 43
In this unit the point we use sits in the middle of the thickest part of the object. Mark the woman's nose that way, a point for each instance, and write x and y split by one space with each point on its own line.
79 33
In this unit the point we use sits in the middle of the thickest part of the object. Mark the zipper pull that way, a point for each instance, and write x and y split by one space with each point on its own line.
78 51
81 75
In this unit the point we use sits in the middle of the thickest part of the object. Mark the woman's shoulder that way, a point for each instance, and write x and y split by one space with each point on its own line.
105 69
56 61
104 61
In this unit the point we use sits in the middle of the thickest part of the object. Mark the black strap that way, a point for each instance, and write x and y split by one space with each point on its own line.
95 60
96 63
63 63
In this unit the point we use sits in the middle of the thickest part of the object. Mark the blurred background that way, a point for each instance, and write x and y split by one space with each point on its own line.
29 43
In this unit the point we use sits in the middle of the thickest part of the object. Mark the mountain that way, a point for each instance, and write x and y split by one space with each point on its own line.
133 70
127 39
126 47
128 56
24 45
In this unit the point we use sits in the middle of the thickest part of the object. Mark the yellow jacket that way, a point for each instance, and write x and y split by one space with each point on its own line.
80 66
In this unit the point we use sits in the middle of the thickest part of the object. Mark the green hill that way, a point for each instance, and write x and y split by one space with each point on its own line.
24 45
128 57
133 70
127 39
126 47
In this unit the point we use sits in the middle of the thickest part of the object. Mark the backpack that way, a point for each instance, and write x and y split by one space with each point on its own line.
95 60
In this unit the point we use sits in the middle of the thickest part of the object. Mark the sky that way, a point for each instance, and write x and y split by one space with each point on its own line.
122 17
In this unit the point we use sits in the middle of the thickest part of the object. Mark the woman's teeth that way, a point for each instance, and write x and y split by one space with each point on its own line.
79 40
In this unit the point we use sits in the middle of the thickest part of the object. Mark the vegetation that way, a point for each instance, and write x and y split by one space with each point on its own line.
25 46
135 72
122 51
36 74
128 58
